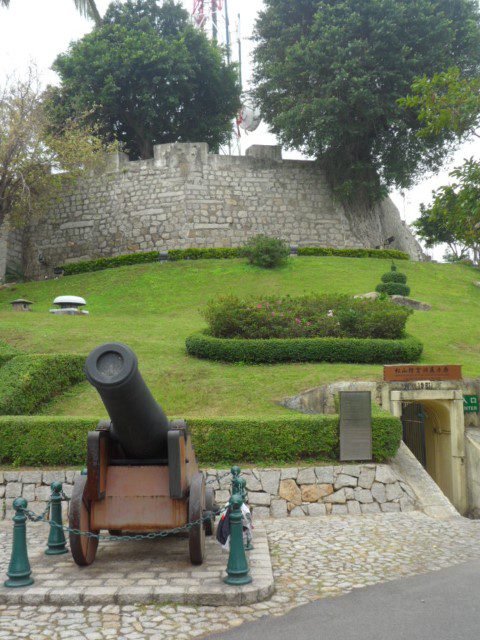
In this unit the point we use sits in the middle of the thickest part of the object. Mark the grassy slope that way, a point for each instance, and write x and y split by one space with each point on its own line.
154 307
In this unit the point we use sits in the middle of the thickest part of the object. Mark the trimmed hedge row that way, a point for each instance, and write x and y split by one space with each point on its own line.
391 254
367 350
58 440
109 263
27 381
207 253
7 352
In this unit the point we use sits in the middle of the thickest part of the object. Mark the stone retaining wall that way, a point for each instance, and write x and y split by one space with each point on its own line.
187 197
296 491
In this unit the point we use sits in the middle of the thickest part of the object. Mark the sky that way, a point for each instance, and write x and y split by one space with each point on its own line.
36 31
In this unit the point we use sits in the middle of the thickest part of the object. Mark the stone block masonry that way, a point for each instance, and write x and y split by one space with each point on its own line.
185 197
351 489
282 492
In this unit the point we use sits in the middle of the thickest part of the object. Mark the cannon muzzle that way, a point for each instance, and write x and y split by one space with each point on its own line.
138 422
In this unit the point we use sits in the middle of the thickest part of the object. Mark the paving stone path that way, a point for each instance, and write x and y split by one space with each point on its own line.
312 558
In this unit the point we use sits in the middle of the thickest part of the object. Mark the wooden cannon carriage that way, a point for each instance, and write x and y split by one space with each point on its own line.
142 475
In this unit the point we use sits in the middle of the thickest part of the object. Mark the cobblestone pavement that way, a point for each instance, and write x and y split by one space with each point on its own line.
312 558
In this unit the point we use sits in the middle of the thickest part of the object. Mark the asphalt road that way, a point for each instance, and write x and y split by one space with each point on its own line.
441 605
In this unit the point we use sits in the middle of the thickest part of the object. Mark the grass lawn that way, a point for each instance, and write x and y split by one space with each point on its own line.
152 308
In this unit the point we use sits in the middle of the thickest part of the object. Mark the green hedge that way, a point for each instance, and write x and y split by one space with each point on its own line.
55 440
109 263
7 352
205 253
27 381
392 254
368 350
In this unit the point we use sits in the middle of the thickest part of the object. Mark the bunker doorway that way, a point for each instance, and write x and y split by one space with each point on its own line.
427 433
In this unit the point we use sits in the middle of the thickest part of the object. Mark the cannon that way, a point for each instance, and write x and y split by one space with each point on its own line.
142 475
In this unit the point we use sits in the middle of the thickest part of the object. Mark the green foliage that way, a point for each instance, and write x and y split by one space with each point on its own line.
7 352
272 350
353 253
27 381
55 440
454 215
329 75
205 253
312 316
394 276
393 283
268 253
147 76
445 102
109 263
393 289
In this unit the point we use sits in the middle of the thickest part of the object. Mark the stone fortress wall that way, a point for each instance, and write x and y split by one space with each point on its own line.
187 197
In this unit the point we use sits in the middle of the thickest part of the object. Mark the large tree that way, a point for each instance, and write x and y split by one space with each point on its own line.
147 76
329 74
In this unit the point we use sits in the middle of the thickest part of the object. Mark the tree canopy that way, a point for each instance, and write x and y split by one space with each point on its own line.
446 102
453 217
146 76
329 75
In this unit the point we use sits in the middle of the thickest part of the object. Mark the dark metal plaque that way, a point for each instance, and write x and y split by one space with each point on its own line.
355 425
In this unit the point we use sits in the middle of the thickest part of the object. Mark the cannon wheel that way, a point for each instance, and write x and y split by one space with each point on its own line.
210 507
196 509
83 548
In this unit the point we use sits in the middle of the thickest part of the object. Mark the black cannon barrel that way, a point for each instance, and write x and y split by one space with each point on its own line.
138 422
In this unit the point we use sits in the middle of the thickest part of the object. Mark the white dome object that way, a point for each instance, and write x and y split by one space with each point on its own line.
250 117
74 301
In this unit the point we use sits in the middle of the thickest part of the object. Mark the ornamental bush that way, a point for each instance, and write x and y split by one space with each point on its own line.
7 352
268 253
272 350
62 440
28 381
312 316
394 283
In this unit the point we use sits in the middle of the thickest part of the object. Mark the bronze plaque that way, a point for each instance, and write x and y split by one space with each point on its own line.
406 372
355 425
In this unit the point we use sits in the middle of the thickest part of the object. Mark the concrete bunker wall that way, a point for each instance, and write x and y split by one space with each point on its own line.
186 197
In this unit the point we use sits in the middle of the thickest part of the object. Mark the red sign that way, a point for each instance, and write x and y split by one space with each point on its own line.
406 372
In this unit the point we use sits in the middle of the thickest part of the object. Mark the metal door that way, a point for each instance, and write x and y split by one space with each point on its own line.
413 421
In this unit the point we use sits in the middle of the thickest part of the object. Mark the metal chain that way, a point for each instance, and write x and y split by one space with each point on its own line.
33 517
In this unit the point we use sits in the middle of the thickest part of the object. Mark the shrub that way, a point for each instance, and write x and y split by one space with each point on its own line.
392 254
394 276
7 352
109 263
393 283
27 381
58 440
268 253
205 253
310 316
367 350
393 289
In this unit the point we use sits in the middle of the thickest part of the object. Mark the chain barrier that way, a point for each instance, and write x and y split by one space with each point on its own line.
33 517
